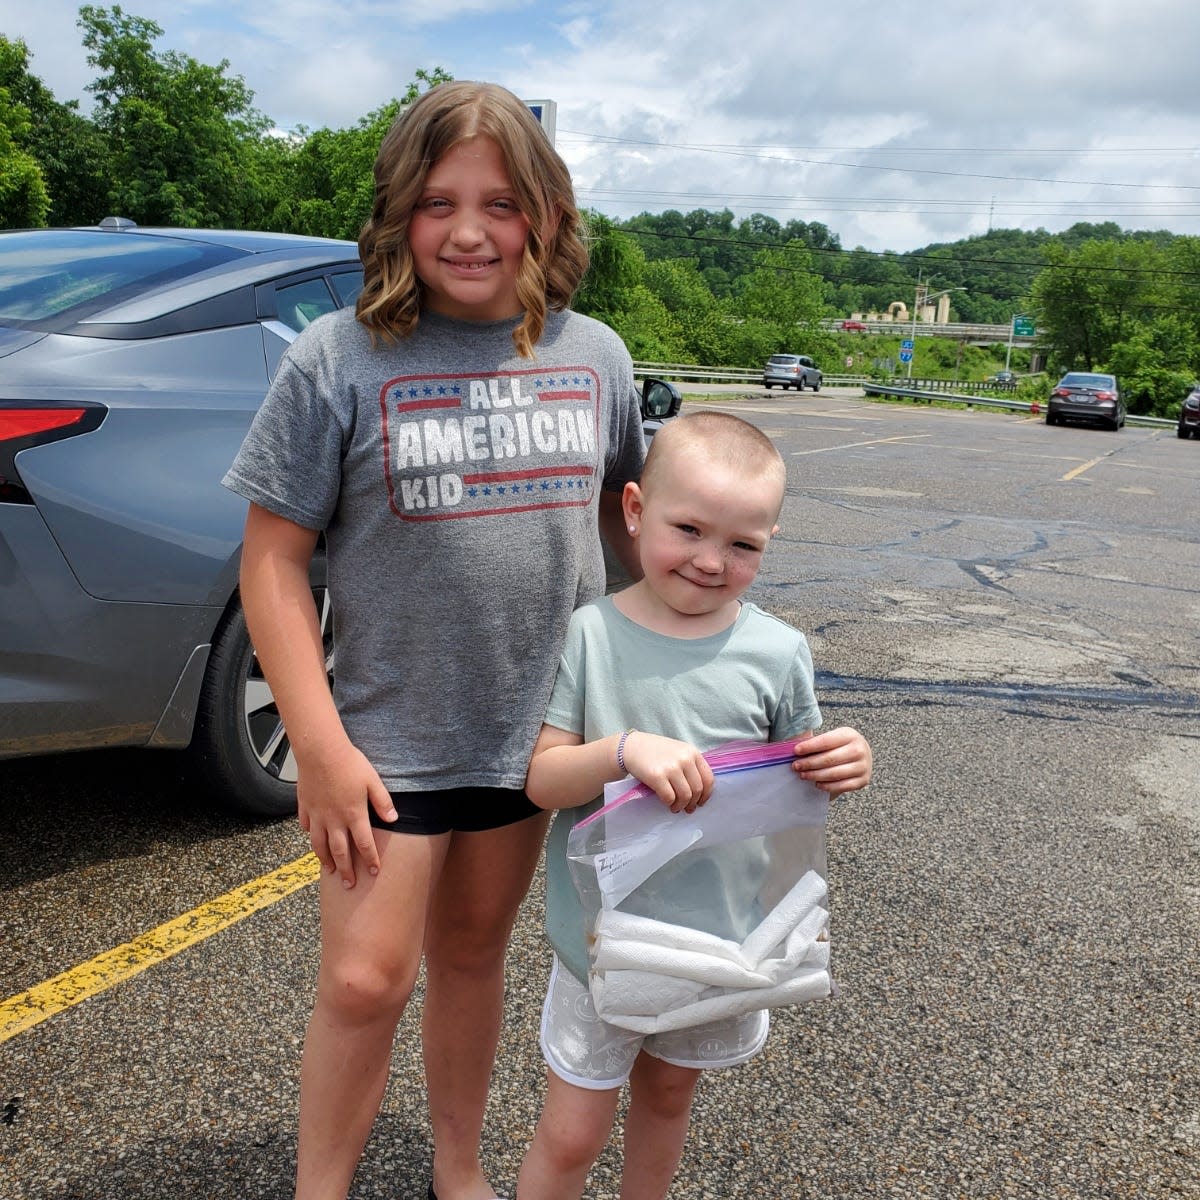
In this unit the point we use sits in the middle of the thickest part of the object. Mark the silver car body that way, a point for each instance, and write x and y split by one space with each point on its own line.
791 370
132 361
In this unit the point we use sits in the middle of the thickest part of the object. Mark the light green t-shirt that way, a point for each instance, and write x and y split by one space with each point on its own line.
750 682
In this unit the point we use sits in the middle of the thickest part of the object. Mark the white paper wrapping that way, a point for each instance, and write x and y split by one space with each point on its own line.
650 976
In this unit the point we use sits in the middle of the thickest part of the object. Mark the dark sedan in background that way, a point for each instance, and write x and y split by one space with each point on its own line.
1189 414
132 361
1087 396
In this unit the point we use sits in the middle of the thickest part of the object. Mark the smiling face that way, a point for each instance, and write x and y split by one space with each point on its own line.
702 527
467 234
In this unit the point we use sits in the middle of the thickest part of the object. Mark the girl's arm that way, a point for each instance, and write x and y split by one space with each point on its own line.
838 761
566 771
334 780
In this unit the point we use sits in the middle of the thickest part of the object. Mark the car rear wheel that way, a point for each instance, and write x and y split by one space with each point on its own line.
239 743
766 385
1181 432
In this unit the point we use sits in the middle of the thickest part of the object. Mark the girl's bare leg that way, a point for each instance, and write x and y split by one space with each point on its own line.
483 881
656 1126
370 952
573 1129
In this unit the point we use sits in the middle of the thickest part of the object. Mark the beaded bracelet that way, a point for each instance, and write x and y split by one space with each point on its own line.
621 752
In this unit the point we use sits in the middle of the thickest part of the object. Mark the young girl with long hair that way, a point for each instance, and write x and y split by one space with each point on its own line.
458 440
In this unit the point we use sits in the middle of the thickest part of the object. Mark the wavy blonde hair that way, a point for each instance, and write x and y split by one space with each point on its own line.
555 257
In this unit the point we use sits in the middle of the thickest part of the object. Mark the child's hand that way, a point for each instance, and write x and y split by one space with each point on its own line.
333 791
677 772
838 761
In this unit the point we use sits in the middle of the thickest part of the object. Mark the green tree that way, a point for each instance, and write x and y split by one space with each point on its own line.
24 200
615 264
181 134
782 290
1155 364
67 147
328 186
1090 298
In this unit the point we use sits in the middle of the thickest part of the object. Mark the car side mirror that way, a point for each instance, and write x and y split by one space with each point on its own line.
660 400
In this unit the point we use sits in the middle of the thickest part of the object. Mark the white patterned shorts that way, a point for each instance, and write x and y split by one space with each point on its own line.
589 1052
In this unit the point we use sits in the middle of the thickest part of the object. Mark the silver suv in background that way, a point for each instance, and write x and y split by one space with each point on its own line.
791 370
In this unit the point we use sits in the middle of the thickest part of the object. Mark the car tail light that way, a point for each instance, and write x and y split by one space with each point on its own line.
1061 392
23 426
1105 396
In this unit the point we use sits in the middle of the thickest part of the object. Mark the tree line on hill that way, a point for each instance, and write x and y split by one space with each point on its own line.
172 141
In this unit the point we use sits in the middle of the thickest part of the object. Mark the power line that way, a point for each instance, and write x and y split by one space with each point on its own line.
818 162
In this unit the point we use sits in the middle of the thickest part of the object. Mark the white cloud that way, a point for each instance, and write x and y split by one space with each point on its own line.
800 106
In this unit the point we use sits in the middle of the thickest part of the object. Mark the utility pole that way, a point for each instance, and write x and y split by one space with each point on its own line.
923 297
913 335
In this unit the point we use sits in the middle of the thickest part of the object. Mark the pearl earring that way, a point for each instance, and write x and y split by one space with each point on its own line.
633 529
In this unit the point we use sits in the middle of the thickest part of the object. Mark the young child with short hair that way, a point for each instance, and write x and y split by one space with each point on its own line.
676 664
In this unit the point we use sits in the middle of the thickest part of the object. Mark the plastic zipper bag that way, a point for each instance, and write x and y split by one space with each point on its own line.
696 917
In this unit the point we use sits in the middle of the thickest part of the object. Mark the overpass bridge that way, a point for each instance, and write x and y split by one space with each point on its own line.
975 334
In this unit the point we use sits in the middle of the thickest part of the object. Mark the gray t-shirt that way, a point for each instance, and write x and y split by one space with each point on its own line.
457 485
750 682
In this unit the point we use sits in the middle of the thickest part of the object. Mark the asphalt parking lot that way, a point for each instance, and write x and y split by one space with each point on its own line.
1010 612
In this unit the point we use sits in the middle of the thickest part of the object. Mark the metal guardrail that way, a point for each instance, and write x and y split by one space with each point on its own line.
880 389
969 387
695 373
970 393
690 372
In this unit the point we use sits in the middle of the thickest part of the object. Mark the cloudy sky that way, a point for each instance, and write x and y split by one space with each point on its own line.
896 124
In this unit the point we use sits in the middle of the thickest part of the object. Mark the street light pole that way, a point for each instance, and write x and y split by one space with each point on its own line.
923 296
912 337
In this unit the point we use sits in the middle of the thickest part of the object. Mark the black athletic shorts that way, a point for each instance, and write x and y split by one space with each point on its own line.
462 810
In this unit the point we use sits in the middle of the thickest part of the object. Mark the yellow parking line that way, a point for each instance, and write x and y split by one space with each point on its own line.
911 437
44 1000
1087 466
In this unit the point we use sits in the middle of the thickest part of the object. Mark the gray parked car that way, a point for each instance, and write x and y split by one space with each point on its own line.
792 370
131 363
1087 396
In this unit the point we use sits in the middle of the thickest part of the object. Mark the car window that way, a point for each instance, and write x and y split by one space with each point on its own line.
49 279
299 304
347 285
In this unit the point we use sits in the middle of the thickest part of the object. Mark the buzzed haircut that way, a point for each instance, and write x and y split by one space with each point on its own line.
721 436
